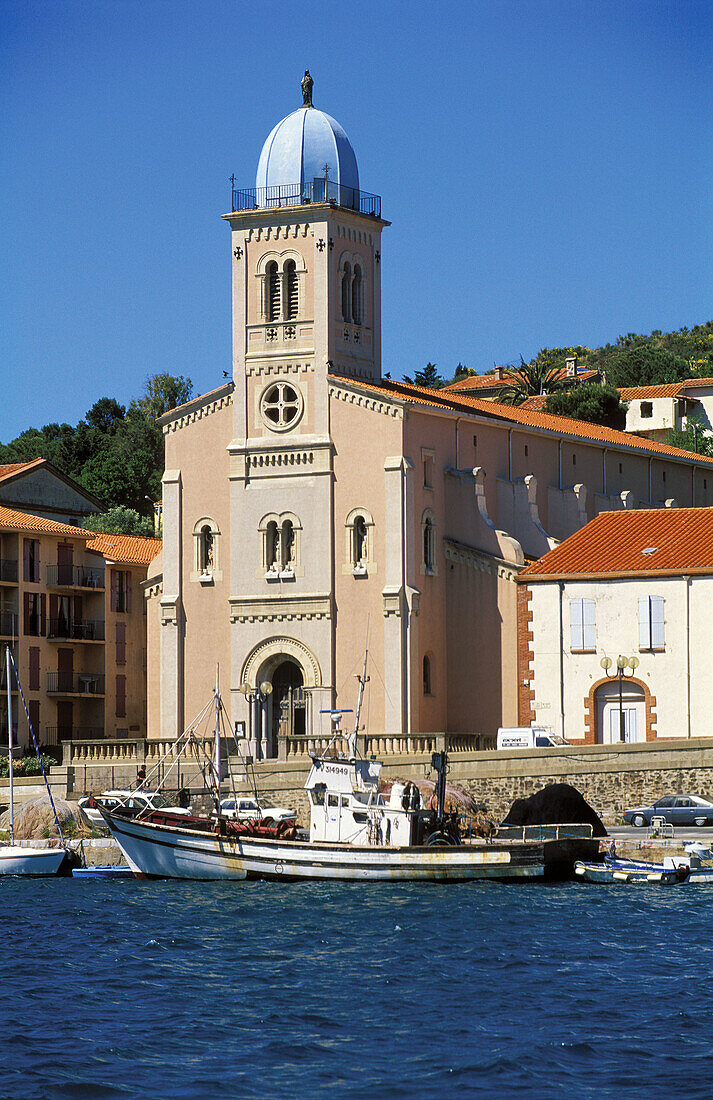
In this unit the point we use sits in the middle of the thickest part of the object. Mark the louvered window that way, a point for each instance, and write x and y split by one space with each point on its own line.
356 295
651 623
292 290
273 292
346 292
582 625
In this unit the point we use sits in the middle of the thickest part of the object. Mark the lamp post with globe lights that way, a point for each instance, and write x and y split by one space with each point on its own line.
256 699
622 663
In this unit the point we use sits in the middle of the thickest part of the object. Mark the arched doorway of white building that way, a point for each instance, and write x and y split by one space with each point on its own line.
280 676
615 724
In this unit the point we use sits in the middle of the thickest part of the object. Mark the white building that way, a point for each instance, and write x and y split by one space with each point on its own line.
630 585
656 410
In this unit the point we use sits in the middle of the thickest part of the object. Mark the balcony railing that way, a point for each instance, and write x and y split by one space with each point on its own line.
77 630
297 194
75 683
9 624
54 735
74 576
8 570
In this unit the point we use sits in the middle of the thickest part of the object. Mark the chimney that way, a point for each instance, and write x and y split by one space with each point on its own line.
500 372
571 366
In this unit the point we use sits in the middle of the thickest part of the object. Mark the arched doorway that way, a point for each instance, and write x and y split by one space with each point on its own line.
288 707
613 722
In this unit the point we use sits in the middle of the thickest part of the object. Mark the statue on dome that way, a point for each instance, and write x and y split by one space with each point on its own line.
307 85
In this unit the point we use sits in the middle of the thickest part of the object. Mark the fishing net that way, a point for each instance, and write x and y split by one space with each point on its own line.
34 819
555 804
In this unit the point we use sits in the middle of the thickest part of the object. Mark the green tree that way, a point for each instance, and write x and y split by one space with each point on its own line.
119 521
163 392
591 402
531 380
428 377
463 372
645 365
694 437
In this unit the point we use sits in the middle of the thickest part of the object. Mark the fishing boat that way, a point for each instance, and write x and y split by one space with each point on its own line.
355 833
630 871
14 858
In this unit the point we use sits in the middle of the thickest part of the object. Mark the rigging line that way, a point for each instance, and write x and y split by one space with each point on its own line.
37 750
386 690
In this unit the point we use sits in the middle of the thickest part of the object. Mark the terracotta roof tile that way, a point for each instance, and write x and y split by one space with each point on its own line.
489 381
532 418
9 469
666 389
125 549
12 520
662 540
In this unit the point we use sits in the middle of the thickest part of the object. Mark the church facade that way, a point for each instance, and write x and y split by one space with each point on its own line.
313 509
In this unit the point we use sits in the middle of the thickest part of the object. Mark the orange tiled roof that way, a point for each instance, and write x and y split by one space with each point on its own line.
662 540
9 469
490 381
126 549
12 520
529 418
665 389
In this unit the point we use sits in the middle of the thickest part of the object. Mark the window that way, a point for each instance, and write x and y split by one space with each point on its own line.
120 591
120 643
356 295
34 614
206 539
359 549
205 549
291 289
526 451
31 560
273 292
120 711
651 623
574 460
428 533
280 546
647 409
281 406
287 545
34 677
272 548
582 626
427 676
429 460
360 552
346 296
621 468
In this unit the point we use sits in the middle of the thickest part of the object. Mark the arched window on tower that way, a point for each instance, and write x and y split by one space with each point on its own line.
356 296
427 685
288 546
428 531
291 290
205 550
361 543
273 292
346 292
272 548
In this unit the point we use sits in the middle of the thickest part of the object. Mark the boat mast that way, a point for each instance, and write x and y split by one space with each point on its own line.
9 744
217 738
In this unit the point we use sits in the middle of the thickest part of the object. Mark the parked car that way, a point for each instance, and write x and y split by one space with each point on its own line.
131 803
245 809
676 809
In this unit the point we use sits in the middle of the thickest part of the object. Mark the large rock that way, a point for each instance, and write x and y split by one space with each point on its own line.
555 804
34 817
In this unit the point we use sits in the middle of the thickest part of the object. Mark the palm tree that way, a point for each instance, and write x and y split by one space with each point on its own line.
532 380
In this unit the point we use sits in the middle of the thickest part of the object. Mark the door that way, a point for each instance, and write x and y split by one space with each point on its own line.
629 714
65 669
64 722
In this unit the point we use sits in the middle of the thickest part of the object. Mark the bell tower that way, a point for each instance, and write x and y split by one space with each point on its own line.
306 257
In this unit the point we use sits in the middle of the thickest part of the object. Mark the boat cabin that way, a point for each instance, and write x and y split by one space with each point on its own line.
346 805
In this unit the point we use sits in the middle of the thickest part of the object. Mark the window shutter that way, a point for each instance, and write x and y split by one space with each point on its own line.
43 615
657 630
34 677
27 606
588 625
644 623
121 643
26 559
575 623
121 697
114 590
128 590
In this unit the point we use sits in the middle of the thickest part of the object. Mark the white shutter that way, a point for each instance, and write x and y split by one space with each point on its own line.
644 623
575 623
657 632
588 623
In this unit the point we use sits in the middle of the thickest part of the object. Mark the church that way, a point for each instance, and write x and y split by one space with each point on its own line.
313 508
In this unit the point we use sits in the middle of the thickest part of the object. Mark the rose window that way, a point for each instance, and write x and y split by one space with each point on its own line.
281 406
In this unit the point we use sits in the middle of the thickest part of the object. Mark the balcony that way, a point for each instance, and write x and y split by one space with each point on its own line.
54 735
9 624
296 194
74 576
75 683
8 571
76 630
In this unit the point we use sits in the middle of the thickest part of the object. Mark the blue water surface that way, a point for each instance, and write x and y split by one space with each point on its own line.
116 988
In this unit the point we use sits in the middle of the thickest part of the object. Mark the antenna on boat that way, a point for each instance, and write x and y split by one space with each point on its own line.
9 745
217 762
363 679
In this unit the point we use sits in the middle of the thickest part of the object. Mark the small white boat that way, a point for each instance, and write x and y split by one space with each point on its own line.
15 859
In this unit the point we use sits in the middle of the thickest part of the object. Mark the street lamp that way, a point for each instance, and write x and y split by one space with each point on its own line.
622 663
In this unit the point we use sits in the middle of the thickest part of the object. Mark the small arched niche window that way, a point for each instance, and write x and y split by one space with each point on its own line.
205 551
346 292
291 290
427 683
428 542
359 545
280 545
273 291
356 296
271 548
287 545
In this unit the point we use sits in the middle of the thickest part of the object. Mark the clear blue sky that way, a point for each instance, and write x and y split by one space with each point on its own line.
546 166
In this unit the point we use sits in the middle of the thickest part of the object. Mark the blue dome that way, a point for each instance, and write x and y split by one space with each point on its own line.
299 147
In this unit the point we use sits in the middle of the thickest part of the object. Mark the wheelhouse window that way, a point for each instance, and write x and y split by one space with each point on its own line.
582 624
651 623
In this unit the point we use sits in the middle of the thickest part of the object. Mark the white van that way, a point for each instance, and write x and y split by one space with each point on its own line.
527 737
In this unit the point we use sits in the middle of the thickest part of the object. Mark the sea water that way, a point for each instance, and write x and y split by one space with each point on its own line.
116 988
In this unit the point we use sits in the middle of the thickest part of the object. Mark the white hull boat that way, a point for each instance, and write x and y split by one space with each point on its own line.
15 860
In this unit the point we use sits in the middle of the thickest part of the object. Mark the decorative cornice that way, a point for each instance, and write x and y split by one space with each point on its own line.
276 368
350 397
260 609
197 413
462 554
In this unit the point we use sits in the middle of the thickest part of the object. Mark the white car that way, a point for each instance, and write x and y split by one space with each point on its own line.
131 803
246 809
